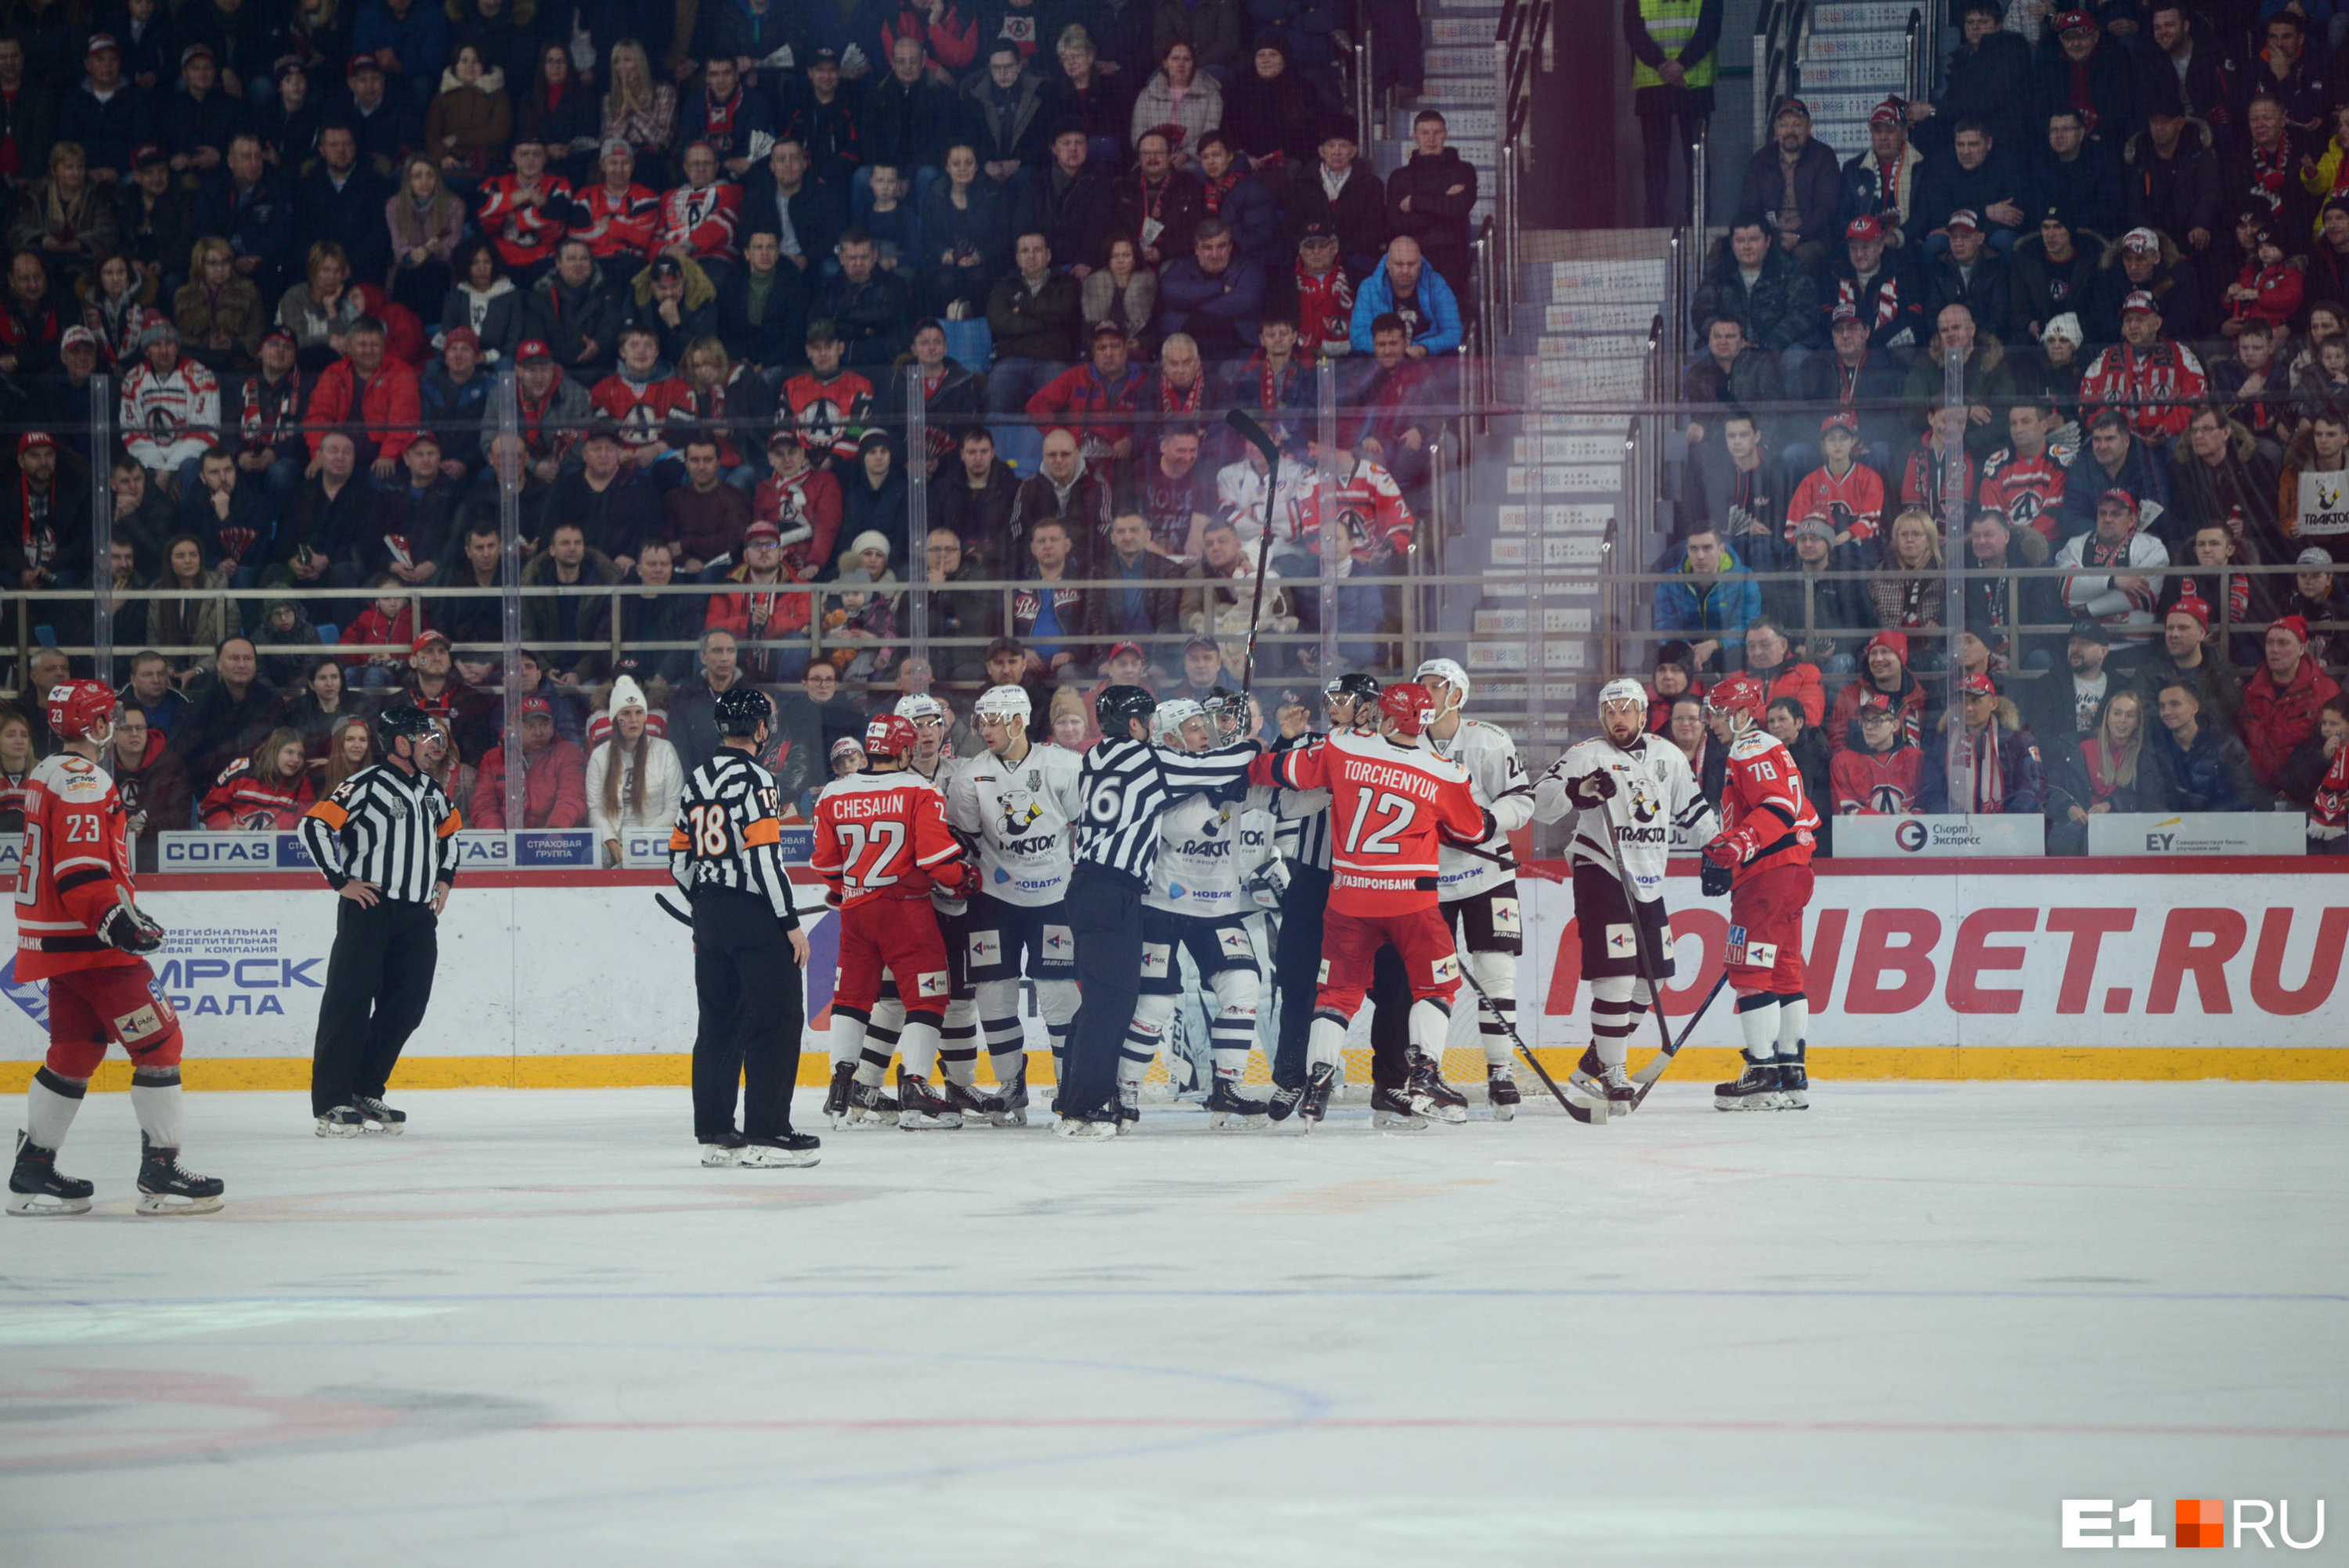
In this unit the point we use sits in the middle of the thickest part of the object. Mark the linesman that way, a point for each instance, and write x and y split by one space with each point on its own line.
386 843
726 856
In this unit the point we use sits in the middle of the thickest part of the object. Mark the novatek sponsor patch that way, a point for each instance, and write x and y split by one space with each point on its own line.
932 984
1155 956
985 948
1446 970
1506 922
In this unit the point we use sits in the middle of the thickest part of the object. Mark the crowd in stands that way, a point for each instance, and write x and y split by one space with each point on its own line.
725 252
2129 231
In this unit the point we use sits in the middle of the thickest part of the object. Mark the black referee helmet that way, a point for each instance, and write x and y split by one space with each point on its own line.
1354 683
406 719
1120 704
740 710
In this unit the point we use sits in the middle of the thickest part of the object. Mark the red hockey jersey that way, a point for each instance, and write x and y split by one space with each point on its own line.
524 233
1325 309
1764 810
642 410
806 507
616 225
1876 783
2158 387
2030 490
1392 807
241 801
885 836
703 220
75 867
828 412
1854 504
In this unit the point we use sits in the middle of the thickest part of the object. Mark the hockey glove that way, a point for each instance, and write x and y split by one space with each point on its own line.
1588 791
1716 880
128 927
1268 883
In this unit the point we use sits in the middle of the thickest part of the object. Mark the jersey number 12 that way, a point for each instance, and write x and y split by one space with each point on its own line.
1395 812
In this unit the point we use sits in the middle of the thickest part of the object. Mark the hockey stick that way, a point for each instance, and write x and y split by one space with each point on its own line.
1647 968
1255 436
1647 1075
1586 1115
672 910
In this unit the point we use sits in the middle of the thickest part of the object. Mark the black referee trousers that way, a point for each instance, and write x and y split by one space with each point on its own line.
379 982
1296 967
1106 913
753 1015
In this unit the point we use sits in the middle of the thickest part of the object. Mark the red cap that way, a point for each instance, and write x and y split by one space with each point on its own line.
532 350
359 63
1979 685
1874 701
1963 221
31 439
2073 21
100 41
1126 648
1790 106
2296 624
424 640
1866 226
2141 301
533 707
1897 641
1842 421
2194 607
1891 111
2126 500
465 332
1844 311
766 532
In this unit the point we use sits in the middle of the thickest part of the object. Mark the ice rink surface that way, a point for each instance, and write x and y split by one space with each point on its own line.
1896 1329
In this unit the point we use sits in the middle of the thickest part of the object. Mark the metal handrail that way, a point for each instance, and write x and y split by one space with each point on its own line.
1779 34
1366 90
1912 71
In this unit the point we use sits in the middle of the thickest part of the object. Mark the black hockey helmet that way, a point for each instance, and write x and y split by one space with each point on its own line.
1355 683
1121 704
403 718
741 709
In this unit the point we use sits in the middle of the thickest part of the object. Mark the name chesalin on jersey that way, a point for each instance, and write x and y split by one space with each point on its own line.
1502 787
1019 815
1656 801
881 836
1389 808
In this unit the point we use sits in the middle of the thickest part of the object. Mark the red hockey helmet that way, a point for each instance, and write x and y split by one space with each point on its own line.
1410 705
1738 694
76 707
889 736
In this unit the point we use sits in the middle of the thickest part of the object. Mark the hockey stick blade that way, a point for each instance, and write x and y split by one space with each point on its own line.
1253 433
1590 1116
672 910
1647 1075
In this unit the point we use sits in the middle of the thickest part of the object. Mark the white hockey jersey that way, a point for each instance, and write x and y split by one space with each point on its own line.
1501 788
1207 847
1018 813
1655 797
167 419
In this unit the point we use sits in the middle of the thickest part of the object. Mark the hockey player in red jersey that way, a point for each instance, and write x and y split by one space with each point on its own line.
1393 803
1761 859
78 928
881 843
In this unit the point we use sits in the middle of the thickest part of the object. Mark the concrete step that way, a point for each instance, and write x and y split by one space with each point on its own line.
1880 71
1465 124
1459 62
1580 448
1855 104
1558 621
1394 154
1461 31
1559 518
1862 16
1563 479
1610 315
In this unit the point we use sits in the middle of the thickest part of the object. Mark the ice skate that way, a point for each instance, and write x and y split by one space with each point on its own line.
1283 1102
835 1095
167 1187
1795 1080
37 1188
921 1108
342 1121
772 1153
726 1149
1615 1085
1431 1096
977 1106
1313 1104
1129 1107
1229 1111
868 1104
1501 1091
1085 1127
377 1116
1756 1091
1390 1111
1011 1102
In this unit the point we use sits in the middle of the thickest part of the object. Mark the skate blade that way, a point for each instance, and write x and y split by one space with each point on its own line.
777 1160
713 1157
1746 1102
1793 1102
43 1206
1504 1113
1449 1115
1236 1121
172 1203
915 1122
1010 1117
1396 1122
324 1131
1084 1132
384 1128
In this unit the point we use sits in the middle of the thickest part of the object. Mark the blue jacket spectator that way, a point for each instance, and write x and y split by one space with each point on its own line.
1712 600
416 31
2115 460
1213 295
1410 288
2208 767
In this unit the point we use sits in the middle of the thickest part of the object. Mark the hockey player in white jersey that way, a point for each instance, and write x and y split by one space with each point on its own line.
1632 790
1197 904
1477 896
1015 802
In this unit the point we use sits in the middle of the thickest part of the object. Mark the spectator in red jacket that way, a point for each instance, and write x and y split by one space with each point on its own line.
555 775
377 395
1675 677
1884 661
1767 661
264 793
1877 778
2281 702
385 627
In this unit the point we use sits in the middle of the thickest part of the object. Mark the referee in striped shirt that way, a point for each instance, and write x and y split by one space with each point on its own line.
1350 699
387 842
1127 784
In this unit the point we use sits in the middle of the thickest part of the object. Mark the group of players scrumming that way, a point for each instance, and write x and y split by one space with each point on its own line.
1086 875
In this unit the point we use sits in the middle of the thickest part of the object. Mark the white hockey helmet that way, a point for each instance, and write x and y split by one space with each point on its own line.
1170 717
1448 670
1621 689
918 708
1004 702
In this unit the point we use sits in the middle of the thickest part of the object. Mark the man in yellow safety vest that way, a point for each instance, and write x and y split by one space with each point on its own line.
1674 43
